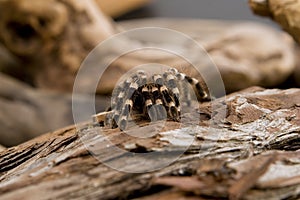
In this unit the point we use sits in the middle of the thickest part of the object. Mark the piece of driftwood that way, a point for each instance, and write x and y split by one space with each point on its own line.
296 74
249 154
246 54
114 8
51 38
285 13
27 112
52 47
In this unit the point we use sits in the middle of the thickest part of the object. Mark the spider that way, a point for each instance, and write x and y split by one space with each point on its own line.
155 97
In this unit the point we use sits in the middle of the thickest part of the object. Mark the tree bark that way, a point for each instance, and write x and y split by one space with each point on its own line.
250 155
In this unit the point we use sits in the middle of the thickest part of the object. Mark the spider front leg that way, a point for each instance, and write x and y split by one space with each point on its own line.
123 100
125 114
117 105
133 101
120 101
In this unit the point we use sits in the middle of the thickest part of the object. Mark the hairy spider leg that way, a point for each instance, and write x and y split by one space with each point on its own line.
158 100
142 77
124 86
135 81
146 92
135 101
200 93
184 89
125 113
130 86
117 98
169 101
157 79
170 81
116 109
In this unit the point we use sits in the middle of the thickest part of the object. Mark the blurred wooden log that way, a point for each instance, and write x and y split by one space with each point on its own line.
46 57
7 60
253 155
114 8
27 112
285 13
253 54
2 148
296 75
246 54
51 38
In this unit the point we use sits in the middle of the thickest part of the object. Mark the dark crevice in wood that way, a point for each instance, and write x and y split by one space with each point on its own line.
288 144
64 143
146 191
11 161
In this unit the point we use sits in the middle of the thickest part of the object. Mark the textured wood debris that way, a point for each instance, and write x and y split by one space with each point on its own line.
251 155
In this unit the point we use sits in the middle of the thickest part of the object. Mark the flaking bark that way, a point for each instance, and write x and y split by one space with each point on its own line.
251 155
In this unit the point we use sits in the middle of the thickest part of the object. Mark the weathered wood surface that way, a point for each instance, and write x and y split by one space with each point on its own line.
251 155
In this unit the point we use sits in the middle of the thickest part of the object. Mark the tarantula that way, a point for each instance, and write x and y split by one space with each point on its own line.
156 97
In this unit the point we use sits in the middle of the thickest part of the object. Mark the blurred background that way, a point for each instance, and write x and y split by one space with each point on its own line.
201 9
43 44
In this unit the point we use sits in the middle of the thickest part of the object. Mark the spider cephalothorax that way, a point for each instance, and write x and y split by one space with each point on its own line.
155 97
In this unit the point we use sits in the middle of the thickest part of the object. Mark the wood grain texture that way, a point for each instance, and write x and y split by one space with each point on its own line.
236 159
